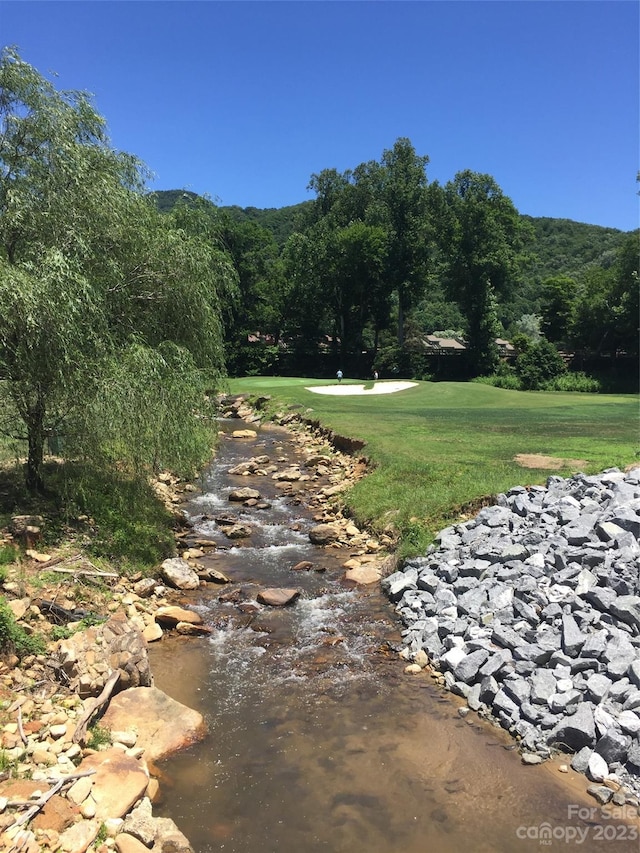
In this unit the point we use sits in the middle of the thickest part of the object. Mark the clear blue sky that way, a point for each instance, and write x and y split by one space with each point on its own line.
243 101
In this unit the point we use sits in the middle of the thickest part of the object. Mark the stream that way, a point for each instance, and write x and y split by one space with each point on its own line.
318 740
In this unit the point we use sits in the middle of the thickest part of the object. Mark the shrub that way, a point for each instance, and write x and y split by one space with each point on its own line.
573 382
13 637
539 363
7 554
506 380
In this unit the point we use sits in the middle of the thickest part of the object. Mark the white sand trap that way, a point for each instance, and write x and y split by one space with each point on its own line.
352 390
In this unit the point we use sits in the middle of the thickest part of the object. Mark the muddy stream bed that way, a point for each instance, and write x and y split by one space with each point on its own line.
318 741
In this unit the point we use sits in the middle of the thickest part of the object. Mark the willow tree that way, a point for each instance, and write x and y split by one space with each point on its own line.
93 282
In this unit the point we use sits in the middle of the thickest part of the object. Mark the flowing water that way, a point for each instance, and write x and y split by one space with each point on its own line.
317 740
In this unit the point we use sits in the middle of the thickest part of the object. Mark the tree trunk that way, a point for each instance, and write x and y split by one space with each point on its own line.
35 428
400 319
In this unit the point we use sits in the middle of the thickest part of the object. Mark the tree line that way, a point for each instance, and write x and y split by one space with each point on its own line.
121 309
381 257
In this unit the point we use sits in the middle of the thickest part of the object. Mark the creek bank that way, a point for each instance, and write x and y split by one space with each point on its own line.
78 789
531 612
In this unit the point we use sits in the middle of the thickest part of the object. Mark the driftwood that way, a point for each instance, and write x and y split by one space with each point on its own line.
81 729
23 736
44 799
87 573
93 572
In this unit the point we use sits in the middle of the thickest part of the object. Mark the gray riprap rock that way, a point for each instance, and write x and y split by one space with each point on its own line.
600 598
472 601
601 793
473 698
545 584
451 658
613 746
634 672
629 722
543 686
513 551
575 731
396 584
619 656
630 700
427 581
627 608
595 645
488 689
598 685
633 757
467 667
497 663
572 637
608 531
580 760
502 702
505 637
519 689
564 703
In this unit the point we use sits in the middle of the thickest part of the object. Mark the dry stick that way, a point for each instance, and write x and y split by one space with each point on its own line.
53 562
103 698
23 736
96 574
44 799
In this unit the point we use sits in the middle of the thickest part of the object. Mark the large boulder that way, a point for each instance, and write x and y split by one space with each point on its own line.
118 782
323 534
179 574
164 726
278 597
245 494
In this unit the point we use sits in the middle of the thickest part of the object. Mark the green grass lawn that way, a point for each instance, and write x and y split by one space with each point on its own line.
440 446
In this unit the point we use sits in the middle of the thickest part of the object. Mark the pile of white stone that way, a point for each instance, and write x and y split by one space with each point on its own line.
531 611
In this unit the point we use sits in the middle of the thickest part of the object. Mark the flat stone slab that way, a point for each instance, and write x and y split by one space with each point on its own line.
164 726
278 597
119 779
363 574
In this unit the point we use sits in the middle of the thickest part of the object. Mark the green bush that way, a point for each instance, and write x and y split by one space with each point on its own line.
7 555
573 382
505 380
14 639
538 364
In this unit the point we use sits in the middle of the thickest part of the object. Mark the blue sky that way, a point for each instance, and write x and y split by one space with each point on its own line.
245 100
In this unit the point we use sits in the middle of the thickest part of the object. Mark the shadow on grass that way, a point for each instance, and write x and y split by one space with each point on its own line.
111 515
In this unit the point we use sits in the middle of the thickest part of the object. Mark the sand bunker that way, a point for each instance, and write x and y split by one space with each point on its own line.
553 463
352 390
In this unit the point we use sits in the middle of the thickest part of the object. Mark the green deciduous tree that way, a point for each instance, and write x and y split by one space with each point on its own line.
481 237
558 301
91 274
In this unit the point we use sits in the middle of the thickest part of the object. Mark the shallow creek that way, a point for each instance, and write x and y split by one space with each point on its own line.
317 740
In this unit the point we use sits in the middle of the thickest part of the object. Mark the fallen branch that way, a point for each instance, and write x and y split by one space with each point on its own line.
44 799
81 729
87 573
23 736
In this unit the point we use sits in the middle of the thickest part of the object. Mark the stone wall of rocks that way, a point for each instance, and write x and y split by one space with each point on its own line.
531 611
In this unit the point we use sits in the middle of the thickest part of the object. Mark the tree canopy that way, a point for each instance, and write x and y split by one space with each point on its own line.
97 287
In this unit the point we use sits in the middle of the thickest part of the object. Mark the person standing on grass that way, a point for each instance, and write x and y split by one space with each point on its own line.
339 375
375 375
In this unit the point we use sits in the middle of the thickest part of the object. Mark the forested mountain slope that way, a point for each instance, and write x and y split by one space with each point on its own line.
560 246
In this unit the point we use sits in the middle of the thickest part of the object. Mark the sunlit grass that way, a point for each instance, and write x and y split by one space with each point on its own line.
438 447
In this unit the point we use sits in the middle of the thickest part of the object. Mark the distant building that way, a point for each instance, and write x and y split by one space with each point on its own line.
436 345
